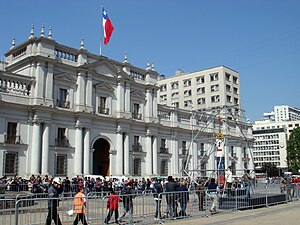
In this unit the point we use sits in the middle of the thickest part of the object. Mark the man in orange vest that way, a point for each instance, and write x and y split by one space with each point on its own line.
79 206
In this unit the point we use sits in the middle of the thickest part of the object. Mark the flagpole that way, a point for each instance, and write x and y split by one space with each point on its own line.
101 29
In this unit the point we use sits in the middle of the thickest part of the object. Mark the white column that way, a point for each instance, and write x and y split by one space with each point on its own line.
36 141
45 149
126 155
155 155
174 158
39 85
148 148
80 94
88 93
78 149
119 149
239 166
120 98
154 102
148 104
49 82
127 98
86 152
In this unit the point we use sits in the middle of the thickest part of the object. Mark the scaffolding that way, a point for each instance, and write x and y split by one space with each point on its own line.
223 121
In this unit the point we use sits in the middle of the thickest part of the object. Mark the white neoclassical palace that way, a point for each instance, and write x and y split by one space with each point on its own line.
65 111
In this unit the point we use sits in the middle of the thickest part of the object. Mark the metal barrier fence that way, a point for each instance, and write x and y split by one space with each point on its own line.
146 209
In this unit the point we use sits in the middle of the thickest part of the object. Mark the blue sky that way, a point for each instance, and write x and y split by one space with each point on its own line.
259 38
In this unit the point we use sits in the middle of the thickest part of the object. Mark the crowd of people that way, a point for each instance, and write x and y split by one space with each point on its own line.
175 190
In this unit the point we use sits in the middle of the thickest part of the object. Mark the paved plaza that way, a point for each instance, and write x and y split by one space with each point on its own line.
286 213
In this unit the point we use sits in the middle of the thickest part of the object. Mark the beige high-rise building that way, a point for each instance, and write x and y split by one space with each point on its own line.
211 88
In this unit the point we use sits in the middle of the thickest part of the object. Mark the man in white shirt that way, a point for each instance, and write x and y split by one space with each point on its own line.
228 177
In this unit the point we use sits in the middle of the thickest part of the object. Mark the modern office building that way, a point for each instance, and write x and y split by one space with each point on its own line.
205 89
65 111
284 113
271 137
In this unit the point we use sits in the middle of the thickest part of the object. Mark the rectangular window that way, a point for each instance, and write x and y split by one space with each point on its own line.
62 140
183 148
175 104
61 165
235 80
136 112
187 93
174 85
200 90
136 140
163 148
214 76
62 99
200 80
227 76
137 166
163 97
11 133
187 83
201 101
235 91
10 164
215 98
164 167
228 98
214 88
228 88
175 95
136 147
102 106
236 101
188 103
163 87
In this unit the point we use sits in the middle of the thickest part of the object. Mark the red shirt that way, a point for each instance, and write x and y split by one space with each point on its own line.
113 202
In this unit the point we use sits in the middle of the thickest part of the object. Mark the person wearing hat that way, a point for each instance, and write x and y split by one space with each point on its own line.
53 194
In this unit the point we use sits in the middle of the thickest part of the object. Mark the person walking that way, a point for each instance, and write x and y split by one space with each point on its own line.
171 195
200 191
247 182
183 194
127 199
80 206
228 179
53 193
112 206
212 192
157 189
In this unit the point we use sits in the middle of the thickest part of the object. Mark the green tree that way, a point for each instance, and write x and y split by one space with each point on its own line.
293 151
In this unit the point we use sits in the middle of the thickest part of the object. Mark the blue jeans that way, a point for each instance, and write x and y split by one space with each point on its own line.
248 185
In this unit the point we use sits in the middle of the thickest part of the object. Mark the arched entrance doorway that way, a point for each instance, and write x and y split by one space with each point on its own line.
101 157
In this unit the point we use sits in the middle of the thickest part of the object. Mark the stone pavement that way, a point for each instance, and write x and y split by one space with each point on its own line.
282 214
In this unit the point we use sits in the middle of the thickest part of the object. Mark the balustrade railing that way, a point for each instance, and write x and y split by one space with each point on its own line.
102 110
65 55
63 104
136 116
137 148
15 87
12 139
62 142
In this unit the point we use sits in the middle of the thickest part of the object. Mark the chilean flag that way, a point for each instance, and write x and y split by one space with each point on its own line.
107 27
